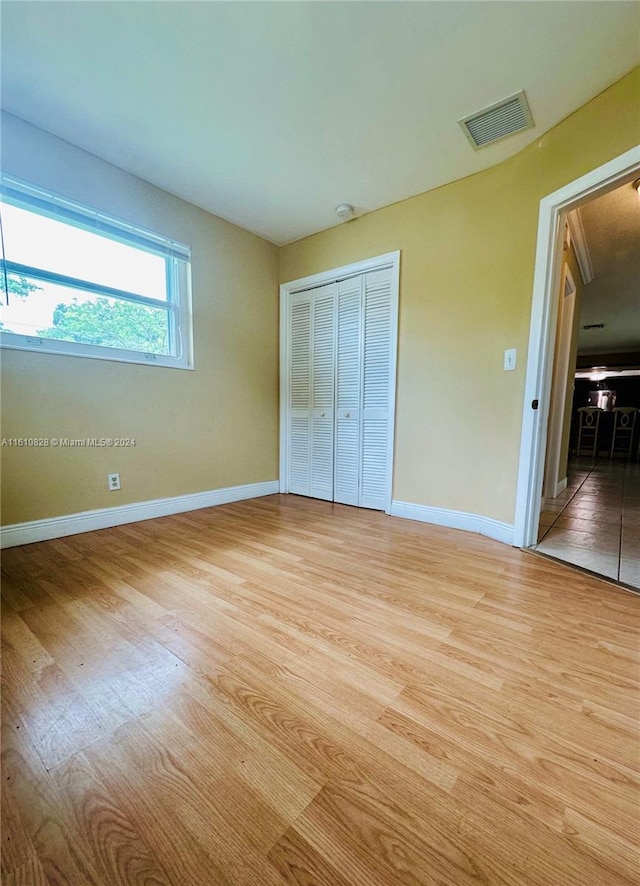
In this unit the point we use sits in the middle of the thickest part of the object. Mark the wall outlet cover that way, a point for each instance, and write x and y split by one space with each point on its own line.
510 359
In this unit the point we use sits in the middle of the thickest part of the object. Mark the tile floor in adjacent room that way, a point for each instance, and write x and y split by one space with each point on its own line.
595 522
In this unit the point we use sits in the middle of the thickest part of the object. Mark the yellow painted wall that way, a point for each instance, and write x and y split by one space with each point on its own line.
195 431
468 252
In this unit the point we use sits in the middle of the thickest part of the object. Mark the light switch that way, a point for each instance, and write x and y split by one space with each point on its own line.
510 359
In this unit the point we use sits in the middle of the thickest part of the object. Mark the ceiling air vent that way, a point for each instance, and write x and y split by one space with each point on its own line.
506 117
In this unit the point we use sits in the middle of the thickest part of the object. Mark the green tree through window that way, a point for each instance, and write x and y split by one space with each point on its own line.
111 324
19 286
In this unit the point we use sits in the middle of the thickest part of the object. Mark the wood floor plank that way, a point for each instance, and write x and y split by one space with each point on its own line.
16 632
173 844
618 854
476 735
272 775
12 592
31 873
59 849
289 691
359 729
299 864
375 837
56 718
17 848
222 815
119 852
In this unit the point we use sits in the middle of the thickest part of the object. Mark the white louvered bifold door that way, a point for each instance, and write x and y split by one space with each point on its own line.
376 391
322 391
341 390
348 391
299 431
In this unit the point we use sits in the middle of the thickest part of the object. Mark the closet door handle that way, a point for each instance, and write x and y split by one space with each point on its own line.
347 415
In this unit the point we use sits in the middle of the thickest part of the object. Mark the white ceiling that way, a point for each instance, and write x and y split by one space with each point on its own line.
270 114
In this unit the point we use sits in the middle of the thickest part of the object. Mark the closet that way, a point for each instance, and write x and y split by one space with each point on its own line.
339 387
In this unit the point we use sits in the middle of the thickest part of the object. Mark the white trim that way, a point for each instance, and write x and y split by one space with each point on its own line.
388 260
454 520
569 285
285 351
561 485
393 374
553 209
557 405
580 247
16 342
377 263
87 521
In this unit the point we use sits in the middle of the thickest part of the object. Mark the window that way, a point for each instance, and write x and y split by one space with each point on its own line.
77 282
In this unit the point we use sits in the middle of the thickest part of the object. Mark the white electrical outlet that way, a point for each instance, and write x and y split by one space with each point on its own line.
113 481
510 360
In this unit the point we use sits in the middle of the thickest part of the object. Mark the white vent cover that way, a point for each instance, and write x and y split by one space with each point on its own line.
506 117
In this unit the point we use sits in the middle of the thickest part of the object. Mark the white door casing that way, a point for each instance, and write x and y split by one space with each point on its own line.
552 479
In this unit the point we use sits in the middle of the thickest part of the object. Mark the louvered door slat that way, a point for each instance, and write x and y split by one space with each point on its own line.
323 369
299 456
374 464
300 362
349 392
322 385
376 390
300 395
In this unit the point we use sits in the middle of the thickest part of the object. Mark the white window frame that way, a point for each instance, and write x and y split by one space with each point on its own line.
178 270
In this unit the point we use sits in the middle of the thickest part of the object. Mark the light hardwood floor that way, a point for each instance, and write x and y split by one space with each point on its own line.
290 691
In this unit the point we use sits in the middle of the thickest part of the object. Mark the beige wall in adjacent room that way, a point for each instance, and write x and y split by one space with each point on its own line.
195 431
467 263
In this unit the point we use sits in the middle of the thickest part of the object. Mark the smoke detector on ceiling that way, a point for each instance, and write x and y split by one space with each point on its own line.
345 211
506 117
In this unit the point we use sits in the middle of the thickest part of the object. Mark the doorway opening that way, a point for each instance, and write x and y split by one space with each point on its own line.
549 389
590 512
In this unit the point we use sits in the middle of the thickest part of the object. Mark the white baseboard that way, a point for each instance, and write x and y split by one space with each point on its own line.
545 501
87 521
560 487
454 520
